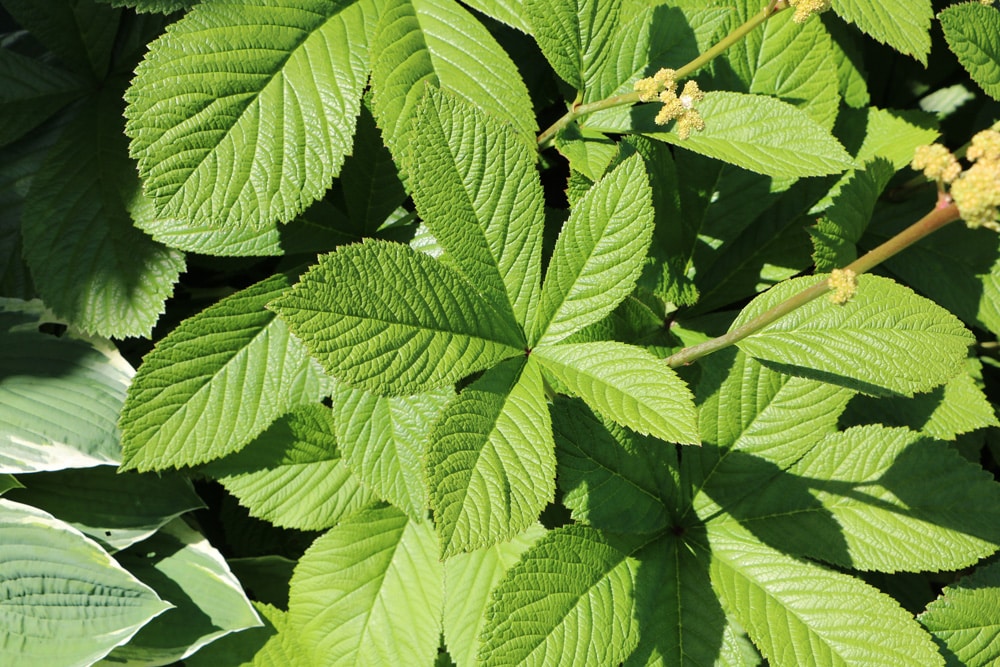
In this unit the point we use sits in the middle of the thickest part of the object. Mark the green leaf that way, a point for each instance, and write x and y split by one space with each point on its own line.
759 133
568 601
203 391
889 134
30 92
966 618
798 613
627 385
243 146
369 592
392 320
421 43
505 11
274 643
292 474
902 24
185 570
867 344
574 36
153 6
65 601
114 510
476 187
370 180
612 479
598 255
384 442
469 579
973 34
491 464
89 263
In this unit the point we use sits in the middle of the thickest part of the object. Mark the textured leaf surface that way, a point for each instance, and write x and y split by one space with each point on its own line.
186 571
64 600
598 255
902 24
973 33
469 579
567 602
476 187
30 92
388 319
384 442
867 344
799 613
574 35
274 643
889 134
292 474
152 6
369 592
491 463
966 618
627 385
505 11
215 382
241 132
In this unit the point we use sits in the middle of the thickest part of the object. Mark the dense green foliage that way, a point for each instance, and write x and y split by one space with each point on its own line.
318 348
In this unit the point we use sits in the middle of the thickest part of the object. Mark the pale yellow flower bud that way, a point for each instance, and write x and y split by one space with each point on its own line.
977 194
650 87
985 146
806 8
937 163
844 284
682 109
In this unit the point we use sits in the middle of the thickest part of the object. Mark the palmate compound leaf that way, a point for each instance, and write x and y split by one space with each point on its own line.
885 340
64 600
476 187
567 602
369 592
491 460
389 319
973 33
216 382
966 618
625 384
242 112
799 613
599 254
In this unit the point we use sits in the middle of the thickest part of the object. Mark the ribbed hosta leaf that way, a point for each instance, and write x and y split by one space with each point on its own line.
476 187
292 474
902 24
868 344
244 110
599 253
389 319
973 33
369 592
574 35
799 613
383 440
63 600
215 382
491 463
966 618
469 579
627 385
567 602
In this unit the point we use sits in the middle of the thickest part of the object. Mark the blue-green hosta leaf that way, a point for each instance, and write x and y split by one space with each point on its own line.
437 42
902 24
383 440
112 509
574 35
973 33
292 474
567 602
216 382
185 570
469 579
491 461
476 187
391 320
611 478
238 131
59 397
64 600
627 385
966 618
598 255
369 592
89 263
868 344
30 92
274 643
798 613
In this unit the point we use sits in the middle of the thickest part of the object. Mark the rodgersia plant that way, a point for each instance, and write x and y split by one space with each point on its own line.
700 372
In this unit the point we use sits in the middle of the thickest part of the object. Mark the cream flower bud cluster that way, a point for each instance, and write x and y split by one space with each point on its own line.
662 87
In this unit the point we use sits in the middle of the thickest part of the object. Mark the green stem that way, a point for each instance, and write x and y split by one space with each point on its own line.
942 214
578 111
